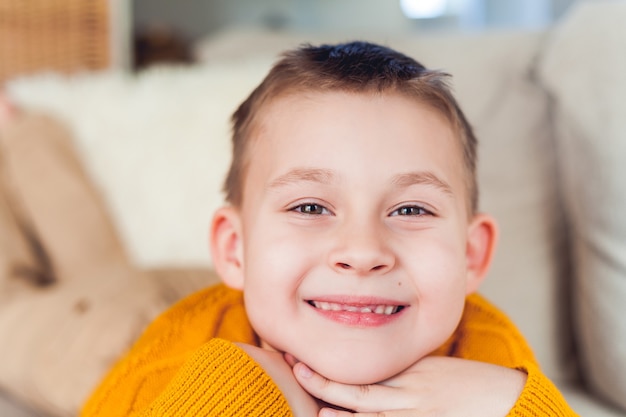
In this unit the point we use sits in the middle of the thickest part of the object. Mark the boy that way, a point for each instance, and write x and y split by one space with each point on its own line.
353 240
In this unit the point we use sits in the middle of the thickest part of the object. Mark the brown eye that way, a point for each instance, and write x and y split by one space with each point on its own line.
410 211
310 208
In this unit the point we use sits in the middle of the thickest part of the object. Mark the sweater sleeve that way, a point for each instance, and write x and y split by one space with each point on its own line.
220 379
540 397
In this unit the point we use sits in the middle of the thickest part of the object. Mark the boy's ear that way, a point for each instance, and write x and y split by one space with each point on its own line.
227 246
482 236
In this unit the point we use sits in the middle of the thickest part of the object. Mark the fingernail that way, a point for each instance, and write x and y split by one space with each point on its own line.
304 371
327 412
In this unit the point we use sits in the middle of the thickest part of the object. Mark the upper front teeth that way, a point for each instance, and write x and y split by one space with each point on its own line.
377 309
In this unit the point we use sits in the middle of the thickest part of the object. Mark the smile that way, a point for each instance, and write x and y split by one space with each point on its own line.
358 312
381 309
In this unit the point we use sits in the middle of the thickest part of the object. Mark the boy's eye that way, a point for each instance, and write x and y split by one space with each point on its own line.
310 208
410 211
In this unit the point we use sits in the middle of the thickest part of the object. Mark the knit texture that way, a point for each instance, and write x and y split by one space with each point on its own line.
540 397
248 390
186 364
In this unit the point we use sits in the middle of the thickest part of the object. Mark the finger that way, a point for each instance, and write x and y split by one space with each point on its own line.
360 398
329 412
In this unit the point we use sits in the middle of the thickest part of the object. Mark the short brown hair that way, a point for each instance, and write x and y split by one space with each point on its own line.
355 67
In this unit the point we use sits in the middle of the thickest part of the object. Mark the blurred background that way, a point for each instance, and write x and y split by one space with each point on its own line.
548 100
76 35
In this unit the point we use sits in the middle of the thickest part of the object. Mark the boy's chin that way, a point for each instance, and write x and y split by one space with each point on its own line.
353 373
349 364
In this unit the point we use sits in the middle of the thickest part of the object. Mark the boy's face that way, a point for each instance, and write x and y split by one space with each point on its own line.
351 244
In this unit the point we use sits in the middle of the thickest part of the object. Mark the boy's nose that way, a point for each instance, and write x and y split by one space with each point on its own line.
363 253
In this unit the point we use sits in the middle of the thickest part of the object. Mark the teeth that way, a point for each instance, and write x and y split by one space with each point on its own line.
377 309
390 309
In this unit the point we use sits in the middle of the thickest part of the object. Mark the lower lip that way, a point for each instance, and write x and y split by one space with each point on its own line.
357 319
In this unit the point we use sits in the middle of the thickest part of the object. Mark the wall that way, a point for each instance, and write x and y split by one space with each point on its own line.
196 18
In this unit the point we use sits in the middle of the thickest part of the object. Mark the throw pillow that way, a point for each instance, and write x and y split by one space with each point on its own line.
583 67
22 258
54 193
19 266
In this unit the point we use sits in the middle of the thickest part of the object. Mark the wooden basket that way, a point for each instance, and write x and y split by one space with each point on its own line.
53 35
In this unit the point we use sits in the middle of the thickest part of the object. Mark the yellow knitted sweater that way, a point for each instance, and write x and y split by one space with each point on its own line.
185 363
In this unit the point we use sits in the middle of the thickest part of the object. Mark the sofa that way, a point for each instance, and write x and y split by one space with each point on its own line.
108 181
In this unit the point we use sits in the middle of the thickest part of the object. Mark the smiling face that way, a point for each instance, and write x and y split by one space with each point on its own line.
353 243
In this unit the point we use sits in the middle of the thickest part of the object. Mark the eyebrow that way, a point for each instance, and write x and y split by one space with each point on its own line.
421 178
326 177
322 176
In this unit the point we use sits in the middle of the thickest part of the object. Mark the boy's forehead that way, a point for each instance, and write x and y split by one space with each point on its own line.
272 110
310 113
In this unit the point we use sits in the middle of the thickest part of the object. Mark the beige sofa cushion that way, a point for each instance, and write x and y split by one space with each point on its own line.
584 68
58 344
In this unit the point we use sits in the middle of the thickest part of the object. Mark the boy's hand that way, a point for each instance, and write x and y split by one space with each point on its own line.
434 386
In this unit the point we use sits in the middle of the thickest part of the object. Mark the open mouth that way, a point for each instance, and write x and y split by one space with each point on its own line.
381 309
